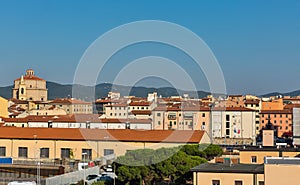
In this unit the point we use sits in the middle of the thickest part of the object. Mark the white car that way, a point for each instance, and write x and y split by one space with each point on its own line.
22 183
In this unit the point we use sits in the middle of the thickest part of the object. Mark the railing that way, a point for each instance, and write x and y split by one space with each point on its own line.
73 177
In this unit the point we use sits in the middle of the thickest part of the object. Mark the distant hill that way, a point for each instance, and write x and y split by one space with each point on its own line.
56 90
293 93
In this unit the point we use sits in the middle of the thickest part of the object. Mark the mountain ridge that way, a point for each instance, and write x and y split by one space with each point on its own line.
56 90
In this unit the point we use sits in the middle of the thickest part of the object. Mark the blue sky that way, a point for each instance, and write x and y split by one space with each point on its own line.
257 43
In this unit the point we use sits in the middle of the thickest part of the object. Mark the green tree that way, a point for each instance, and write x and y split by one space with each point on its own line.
147 166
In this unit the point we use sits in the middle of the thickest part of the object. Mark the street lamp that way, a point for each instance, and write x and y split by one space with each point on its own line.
84 156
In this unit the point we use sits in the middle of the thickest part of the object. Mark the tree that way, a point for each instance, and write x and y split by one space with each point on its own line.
145 166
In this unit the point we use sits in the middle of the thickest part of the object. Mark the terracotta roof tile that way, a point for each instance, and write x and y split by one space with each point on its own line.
30 78
102 135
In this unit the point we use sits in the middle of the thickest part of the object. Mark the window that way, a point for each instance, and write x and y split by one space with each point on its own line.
88 154
253 159
108 152
274 115
158 114
23 152
203 123
44 152
227 124
174 122
170 123
263 121
65 153
203 114
227 117
261 183
227 132
2 151
215 182
158 123
238 182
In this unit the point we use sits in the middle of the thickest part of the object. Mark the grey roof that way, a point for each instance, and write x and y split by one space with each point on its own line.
229 168
272 148
293 161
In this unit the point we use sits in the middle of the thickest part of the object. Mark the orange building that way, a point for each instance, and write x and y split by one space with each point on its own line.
282 119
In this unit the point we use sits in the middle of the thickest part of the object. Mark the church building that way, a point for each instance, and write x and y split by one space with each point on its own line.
30 88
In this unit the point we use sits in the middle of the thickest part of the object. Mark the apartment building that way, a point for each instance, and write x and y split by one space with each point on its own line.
176 118
72 105
233 125
274 171
61 143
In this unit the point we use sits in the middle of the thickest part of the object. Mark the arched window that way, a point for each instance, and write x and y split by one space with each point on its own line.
22 90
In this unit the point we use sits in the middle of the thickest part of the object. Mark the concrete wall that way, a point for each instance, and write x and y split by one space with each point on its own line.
201 178
280 174
76 147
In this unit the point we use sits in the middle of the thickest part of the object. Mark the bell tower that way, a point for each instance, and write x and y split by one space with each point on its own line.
22 89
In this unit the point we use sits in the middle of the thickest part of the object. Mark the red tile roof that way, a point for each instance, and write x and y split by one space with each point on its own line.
252 101
141 112
68 101
139 103
29 77
117 105
166 136
284 111
231 109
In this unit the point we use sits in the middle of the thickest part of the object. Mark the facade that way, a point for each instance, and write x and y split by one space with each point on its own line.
282 119
78 121
274 171
3 107
228 174
176 118
233 125
296 126
30 87
256 155
72 106
60 143
118 111
255 105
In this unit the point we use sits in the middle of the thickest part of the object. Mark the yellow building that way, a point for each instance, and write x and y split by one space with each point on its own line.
30 87
3 107
60 143
256 155
226 174
275 171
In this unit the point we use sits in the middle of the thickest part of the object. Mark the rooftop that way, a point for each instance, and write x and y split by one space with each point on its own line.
229 168
127 135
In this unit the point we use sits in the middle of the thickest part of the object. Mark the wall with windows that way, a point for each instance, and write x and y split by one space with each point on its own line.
51 149
201 178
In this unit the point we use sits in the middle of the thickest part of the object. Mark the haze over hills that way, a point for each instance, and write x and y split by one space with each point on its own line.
56 90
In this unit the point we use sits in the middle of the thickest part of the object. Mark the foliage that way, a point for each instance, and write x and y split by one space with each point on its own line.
98 183
172 165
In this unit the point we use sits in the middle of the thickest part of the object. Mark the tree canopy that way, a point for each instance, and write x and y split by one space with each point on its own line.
148 166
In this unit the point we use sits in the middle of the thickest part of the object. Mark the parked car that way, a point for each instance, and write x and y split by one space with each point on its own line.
92 178
22 183
105 178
